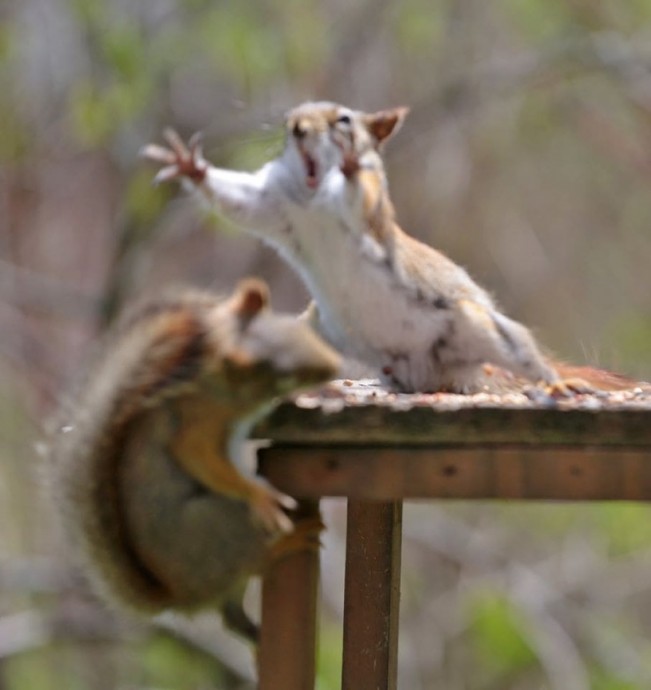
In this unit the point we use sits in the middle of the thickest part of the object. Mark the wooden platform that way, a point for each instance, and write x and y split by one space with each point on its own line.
376 448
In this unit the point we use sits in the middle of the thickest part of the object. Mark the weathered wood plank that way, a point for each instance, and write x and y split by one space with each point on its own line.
372 595
287 651
428 425
387 474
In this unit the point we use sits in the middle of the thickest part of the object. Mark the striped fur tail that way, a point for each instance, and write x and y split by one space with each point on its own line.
599 379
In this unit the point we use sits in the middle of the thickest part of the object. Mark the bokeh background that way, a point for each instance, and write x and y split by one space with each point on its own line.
526 157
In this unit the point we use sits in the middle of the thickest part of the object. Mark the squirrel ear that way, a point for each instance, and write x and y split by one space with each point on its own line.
251 297
385 123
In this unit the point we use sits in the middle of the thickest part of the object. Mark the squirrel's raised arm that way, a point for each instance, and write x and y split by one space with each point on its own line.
241 197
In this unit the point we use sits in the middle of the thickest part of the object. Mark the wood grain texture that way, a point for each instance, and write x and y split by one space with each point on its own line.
376 455
371 604
287 651
525 472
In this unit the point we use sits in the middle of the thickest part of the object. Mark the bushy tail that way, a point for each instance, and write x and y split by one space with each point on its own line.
599 379
498 380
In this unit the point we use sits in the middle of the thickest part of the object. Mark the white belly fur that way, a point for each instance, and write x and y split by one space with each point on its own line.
363 310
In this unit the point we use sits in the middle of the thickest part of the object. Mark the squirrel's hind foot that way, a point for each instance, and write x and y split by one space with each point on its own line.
306 536
566 388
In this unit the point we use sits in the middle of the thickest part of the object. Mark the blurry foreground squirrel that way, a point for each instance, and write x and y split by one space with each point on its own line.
147 472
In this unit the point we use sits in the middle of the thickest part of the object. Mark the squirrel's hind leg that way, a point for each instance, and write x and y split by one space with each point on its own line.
236 618
499 340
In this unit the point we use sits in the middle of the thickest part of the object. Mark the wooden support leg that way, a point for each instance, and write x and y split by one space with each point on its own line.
372 595
287 652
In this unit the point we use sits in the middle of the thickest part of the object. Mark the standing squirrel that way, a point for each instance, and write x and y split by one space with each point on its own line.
147 472
382 297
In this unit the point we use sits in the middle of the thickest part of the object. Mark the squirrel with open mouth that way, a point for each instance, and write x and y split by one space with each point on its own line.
380 296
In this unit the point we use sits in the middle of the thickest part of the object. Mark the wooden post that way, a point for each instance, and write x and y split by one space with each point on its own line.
287 653
372 595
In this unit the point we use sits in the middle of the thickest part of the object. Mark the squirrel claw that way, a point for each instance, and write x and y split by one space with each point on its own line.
195 144
268 506
157 153
566 388
306 536
165 174
179 160
177 145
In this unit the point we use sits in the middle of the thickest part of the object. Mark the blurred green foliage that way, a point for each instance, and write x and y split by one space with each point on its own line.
160 663
605 681
499 637
330 655
539 20
143 201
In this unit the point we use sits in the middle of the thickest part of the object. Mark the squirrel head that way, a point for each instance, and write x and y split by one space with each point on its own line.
308 147
273 353
323 135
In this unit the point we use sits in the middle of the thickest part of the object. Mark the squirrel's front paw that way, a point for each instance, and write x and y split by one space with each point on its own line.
178 160
268 507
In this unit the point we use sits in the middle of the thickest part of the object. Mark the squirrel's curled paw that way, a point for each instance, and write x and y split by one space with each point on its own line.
178 160
268 506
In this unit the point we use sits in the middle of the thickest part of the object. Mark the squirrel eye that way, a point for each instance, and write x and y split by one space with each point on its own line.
344 120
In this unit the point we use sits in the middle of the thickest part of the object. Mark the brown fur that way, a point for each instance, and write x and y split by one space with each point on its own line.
598 379
379 221
160 511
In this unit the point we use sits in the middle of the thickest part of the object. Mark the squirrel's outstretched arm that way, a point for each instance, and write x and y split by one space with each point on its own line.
241 197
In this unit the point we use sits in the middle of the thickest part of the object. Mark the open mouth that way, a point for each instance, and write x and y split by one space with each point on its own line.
311 170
